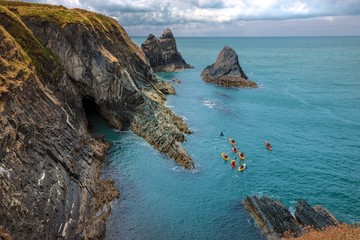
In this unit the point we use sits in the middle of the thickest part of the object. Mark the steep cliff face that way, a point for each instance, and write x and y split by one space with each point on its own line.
51 60
163 54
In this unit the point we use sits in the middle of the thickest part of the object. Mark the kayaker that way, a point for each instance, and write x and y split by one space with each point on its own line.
234 149
268 146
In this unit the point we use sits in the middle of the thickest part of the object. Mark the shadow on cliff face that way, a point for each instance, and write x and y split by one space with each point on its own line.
94 118
91 111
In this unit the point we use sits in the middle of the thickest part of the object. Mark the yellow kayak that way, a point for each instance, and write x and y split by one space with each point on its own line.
242 167
225 156
232 141
241 155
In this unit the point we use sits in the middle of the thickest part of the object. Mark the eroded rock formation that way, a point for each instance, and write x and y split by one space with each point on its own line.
272 217
277 221
316 217
163 54
51 60
226 71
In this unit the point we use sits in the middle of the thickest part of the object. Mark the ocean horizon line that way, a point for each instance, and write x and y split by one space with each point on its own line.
310 36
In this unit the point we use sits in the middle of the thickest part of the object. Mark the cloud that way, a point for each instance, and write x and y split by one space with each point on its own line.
209 4
131 13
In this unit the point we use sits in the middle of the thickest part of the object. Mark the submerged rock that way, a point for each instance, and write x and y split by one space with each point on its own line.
52 59
277 221
163 54
226 71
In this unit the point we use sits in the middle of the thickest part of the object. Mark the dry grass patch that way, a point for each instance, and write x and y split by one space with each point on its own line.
341 232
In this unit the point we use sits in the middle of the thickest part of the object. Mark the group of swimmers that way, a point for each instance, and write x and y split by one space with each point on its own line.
240 154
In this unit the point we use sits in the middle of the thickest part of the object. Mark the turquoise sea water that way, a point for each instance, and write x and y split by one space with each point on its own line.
307 106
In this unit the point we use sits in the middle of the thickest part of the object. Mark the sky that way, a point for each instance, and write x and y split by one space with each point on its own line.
216 18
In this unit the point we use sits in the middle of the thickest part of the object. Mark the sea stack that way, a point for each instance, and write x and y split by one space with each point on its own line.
226 71
163 54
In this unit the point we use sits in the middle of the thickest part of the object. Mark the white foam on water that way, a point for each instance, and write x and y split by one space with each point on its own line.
209 103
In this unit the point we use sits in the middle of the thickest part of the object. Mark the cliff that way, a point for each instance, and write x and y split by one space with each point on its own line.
226 71
163 54
53 60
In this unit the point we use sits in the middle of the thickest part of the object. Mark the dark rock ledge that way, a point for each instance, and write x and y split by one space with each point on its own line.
226 71
277 221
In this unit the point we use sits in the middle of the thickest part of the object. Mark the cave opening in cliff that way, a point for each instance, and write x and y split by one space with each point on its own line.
96 122
94 119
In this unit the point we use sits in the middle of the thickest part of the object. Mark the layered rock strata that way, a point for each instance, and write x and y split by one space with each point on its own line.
52 59
166 88
226 71
316 217
277 221
163 54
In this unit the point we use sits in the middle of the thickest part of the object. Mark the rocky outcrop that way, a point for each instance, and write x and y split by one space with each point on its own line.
272 217
52 60
166 88
277 221
163 54
316 217
226 71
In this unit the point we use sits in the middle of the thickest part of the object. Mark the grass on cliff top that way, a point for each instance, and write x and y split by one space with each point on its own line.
58 14
14 64
63 17
45 63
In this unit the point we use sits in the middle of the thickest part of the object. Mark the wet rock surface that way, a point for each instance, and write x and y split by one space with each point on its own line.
277 221
163 54
226 71
50 184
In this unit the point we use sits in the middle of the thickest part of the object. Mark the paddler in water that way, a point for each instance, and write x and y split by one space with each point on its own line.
234 149
241 155
268 146
233 164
